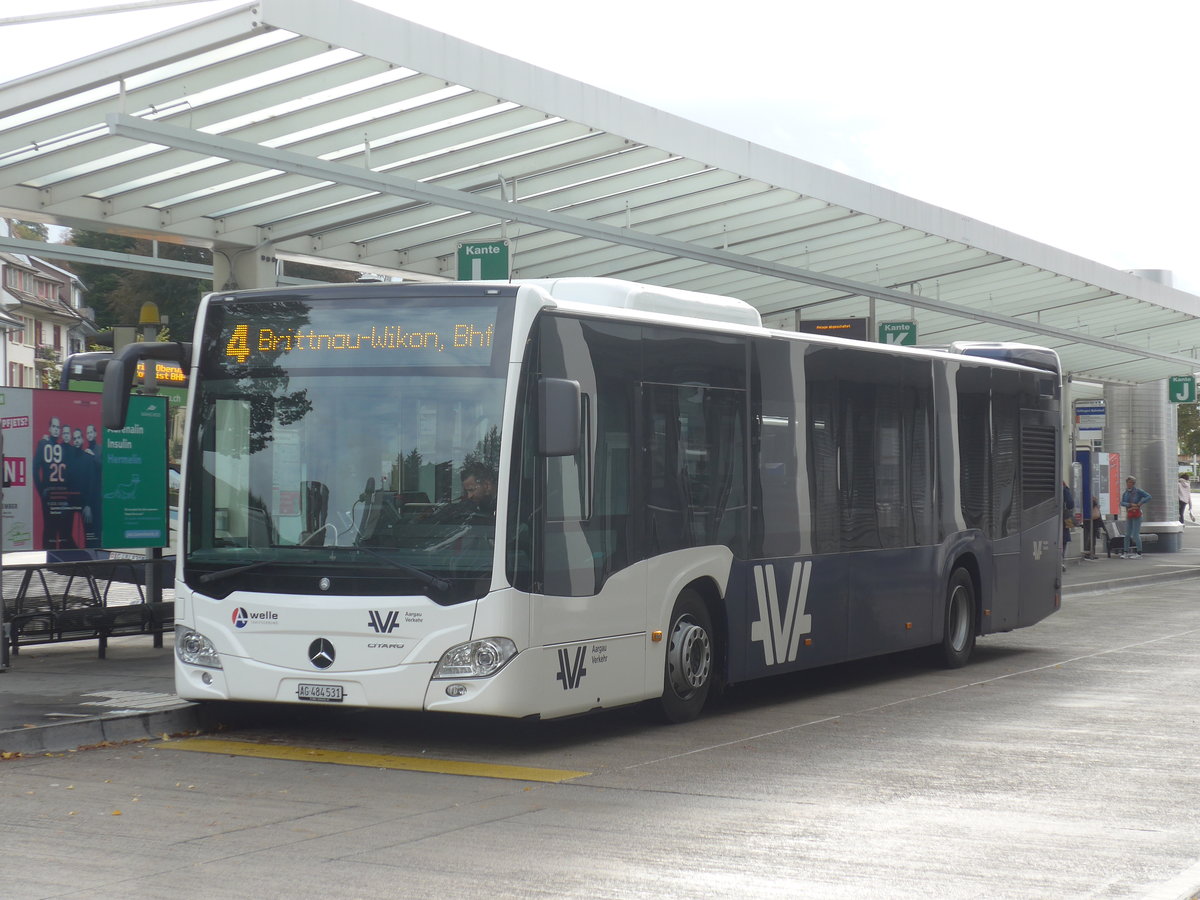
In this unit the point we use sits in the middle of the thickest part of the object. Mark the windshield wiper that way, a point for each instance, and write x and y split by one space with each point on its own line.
258 564
426 579
430 581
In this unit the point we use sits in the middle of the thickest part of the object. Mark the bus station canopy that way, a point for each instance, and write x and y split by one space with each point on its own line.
303 129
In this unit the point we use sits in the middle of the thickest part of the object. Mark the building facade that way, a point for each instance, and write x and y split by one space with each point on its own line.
44 320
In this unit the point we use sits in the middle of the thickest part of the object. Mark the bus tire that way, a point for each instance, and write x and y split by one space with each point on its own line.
688 675
958 632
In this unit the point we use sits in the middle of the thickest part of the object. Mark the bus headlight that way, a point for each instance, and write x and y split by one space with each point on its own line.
476 659
195 649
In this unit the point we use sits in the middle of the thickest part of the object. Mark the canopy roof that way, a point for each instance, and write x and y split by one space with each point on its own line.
332 131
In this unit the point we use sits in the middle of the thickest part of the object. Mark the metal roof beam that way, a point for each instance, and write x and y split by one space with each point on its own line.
110 179
161 94
102 68
89 256
235 186
153 132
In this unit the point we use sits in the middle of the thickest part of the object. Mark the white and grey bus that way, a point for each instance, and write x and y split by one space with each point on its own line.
548 497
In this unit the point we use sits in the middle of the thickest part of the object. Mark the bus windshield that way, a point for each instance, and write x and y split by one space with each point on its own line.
348 449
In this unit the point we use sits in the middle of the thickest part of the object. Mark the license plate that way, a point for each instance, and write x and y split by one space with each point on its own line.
322 693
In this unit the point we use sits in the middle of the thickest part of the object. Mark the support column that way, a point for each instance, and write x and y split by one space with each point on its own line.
1141 425
241 268
1067 410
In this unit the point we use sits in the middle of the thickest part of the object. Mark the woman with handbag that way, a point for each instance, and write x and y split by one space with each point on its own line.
1132 500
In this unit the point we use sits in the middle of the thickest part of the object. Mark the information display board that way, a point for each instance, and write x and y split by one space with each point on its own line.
71 484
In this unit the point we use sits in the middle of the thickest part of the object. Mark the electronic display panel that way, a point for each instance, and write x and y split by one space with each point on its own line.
351 334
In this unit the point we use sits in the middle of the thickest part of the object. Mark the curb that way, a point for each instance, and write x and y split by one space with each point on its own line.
1111 583
117 728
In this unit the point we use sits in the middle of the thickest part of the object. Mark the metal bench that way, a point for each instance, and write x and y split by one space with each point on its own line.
94 599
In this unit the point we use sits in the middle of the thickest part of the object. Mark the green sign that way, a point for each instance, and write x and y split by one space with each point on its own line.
1182 389
483 261
134 477
898 333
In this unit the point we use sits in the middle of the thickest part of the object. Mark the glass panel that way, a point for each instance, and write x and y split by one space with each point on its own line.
358 435
582 549
1006 418
974 446
696 461
353 472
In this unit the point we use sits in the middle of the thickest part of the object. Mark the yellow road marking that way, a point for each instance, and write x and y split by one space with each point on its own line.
373 760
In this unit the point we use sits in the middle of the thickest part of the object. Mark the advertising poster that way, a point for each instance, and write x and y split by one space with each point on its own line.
65 470
16 424
134 507
71 485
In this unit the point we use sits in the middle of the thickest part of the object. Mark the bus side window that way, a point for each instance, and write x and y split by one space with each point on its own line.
696 464
579 516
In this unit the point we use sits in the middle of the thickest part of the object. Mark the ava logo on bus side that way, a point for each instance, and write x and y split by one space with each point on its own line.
571 670
383 623
780 633
570 674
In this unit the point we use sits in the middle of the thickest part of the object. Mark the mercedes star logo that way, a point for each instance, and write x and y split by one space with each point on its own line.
321 653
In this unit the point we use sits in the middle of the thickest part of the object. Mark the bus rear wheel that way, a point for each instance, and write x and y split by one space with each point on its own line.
958 633
688 674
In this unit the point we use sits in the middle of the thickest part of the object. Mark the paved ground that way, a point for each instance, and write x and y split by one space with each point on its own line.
62 697
1061 763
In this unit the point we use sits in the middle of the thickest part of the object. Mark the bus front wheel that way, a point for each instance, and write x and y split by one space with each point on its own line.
689 668
958 634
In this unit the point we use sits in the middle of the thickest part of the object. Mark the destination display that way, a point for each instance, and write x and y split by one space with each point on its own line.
311 335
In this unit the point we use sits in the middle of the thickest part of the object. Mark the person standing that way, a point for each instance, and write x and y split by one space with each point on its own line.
1185 494
1133 500
1068 517
1094 528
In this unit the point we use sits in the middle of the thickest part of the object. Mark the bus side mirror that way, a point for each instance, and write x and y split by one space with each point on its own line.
119 373
559 411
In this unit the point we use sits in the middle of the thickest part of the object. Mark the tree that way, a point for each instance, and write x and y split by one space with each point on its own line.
117 295
410 480
487 451
319 273
29 231
1189 429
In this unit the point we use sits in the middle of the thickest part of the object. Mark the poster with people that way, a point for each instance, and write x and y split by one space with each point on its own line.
70 484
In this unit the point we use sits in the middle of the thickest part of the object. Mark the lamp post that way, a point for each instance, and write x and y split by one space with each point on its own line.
149 325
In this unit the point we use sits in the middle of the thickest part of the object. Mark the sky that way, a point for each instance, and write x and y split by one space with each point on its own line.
1071 122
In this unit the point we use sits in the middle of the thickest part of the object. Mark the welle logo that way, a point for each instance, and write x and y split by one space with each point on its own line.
780 631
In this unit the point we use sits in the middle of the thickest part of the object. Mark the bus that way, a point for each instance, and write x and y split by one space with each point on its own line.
85 372
543 498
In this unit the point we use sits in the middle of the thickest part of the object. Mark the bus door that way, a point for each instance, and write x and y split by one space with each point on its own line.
588 592
1041 499
988 416
693 479
694 466
1004 517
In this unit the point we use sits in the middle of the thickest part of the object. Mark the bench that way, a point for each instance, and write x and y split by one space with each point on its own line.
95 599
